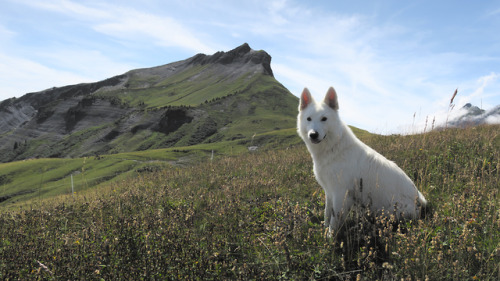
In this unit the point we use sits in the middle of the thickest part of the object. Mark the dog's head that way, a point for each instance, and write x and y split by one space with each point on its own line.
318 121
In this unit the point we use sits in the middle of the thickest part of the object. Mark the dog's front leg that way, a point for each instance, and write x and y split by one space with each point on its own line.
329 214
339 208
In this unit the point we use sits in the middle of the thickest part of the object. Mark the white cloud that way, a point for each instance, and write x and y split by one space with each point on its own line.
69 8
275 8
163 31
28 76
336 50
5 33
493 119
298 78
19 75
91 64
130 24
493 13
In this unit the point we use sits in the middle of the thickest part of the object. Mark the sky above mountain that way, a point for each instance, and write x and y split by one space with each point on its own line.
394 64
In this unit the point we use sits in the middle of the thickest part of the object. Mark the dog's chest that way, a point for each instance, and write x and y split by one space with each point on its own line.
333 174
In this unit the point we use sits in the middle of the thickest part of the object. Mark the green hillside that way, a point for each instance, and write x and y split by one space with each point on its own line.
258 216
201 100
262 107
26 182
192 87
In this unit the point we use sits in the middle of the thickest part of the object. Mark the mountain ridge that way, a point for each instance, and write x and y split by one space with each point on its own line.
205 98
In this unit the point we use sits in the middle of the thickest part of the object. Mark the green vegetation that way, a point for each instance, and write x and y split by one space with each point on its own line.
24 182
223 112
258 216
192 87
228 107
201 100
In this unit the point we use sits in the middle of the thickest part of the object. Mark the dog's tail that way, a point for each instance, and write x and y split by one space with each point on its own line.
421 200
426 209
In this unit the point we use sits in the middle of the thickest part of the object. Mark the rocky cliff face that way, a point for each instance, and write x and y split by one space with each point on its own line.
259 61
200 99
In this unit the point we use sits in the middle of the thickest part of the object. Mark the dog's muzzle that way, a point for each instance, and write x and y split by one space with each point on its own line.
314 137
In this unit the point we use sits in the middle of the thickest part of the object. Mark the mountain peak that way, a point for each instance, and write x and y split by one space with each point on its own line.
240 55
243 49
470 114
202 99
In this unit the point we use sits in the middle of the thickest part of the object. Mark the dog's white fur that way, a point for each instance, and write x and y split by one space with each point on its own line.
349 171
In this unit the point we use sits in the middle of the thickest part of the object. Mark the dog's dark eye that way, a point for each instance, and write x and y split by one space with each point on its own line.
308 118
323 119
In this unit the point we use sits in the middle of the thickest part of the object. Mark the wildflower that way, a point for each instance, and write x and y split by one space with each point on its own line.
387 265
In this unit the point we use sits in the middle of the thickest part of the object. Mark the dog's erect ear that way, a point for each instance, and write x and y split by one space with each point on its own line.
305 99
331 98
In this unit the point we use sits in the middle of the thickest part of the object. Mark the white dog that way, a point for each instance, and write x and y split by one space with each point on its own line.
349 171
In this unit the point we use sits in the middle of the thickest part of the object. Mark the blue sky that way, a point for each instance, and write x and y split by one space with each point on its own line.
394 64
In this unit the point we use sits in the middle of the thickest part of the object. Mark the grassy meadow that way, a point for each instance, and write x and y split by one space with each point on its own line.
258 216
28 182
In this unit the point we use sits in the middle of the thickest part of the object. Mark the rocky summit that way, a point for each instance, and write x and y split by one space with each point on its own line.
471 115
203 99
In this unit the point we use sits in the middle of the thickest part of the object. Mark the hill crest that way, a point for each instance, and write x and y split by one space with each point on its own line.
205 98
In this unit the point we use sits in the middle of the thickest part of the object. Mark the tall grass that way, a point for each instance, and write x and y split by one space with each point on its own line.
258 216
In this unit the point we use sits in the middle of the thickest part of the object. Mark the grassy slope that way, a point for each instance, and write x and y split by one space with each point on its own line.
258 105
35 179
258 216
188 88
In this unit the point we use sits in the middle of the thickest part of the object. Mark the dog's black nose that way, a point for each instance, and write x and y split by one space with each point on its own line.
313 135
